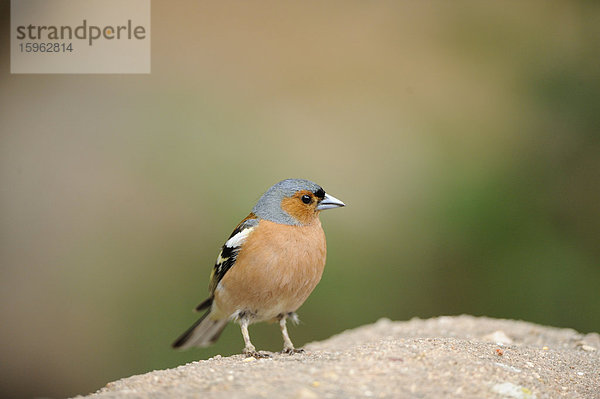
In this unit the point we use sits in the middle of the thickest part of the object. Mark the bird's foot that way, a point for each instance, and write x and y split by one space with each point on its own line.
291 351
255 354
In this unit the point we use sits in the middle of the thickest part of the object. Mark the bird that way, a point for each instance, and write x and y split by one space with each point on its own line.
268 266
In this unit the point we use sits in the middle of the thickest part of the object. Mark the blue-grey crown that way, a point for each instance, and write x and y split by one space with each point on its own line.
269 205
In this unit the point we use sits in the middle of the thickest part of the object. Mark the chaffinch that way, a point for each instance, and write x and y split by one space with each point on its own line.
268 267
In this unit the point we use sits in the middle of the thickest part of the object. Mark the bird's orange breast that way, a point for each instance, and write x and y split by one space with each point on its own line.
276 270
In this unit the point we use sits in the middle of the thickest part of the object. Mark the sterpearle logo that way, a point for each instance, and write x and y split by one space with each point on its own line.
80 36
83 31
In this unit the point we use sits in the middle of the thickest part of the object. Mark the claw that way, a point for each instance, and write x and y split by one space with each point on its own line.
291 351
255 354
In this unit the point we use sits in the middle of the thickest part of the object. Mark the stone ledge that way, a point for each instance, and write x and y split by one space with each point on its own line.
443 357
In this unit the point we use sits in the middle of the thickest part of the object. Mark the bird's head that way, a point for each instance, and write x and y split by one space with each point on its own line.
294 202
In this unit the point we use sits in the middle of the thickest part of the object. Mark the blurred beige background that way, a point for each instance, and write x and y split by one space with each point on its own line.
463 136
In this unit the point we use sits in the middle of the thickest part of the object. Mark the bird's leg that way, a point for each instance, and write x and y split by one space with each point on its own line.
249 349
288 346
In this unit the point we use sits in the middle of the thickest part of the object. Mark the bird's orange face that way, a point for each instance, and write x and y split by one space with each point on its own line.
302 206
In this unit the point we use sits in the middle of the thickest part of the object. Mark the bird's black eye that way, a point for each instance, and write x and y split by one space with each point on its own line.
306 199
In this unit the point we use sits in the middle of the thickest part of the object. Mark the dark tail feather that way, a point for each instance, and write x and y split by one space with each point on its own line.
202 333
204 305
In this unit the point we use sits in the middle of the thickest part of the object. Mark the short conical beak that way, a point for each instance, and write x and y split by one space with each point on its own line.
329 202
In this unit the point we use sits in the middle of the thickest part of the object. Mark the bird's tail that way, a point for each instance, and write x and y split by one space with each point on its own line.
202 333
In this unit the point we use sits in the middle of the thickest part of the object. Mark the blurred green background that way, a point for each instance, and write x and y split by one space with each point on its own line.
464 137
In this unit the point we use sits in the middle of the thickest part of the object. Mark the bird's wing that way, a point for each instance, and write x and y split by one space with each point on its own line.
229 252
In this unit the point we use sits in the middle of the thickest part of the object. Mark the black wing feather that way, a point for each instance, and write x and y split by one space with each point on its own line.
228 255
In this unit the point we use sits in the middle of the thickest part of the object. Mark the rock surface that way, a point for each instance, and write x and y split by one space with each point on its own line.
444 357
